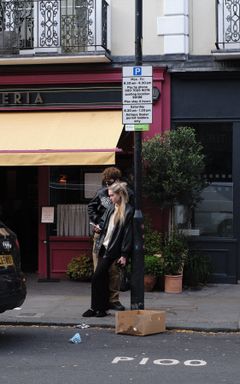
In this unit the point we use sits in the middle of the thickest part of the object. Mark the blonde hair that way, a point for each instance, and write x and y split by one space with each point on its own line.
121 190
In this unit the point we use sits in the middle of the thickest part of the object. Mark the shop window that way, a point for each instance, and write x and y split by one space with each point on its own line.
72 220
71 189
92 181
213 216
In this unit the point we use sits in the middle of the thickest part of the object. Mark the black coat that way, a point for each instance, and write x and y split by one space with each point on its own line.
98 205
120 243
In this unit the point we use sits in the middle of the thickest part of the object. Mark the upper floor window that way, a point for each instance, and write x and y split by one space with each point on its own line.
228 24
60 26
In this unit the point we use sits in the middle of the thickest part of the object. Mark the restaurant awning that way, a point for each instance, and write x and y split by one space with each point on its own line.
59 138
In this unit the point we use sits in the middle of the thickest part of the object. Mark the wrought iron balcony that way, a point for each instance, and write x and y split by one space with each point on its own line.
228 25
59 27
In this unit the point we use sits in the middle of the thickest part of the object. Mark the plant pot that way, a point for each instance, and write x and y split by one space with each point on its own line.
149 282
173 283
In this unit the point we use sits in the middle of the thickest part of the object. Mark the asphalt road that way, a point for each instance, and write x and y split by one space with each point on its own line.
44 355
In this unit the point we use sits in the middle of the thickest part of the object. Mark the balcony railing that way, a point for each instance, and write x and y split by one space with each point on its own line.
53 26
228 24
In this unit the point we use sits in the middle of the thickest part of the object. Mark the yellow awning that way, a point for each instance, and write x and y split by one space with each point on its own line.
59 138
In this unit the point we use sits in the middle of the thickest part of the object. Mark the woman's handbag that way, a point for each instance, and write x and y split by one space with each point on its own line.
124 279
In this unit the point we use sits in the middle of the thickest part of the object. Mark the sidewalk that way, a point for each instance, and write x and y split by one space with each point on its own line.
215 307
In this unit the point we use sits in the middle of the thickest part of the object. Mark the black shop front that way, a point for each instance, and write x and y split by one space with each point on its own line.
210 104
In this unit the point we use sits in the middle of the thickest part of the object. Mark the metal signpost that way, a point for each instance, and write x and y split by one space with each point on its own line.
137 113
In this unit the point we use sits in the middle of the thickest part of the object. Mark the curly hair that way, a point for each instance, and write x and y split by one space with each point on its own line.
111 173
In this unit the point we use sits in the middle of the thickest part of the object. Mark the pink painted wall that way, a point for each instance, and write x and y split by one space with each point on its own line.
161 123
61 249
161 109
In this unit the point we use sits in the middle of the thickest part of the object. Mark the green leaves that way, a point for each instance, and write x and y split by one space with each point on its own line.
80 268
152 239
173 165
175 252
153 265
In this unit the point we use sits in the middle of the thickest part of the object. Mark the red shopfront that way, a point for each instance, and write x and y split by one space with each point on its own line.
63 129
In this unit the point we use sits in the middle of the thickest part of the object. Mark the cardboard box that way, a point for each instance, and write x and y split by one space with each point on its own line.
140 322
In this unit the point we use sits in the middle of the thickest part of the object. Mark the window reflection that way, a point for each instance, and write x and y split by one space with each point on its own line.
214 214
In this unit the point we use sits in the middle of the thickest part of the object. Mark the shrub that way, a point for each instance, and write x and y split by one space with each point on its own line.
173 164
197 269
152 239
153 265
175 252
80 268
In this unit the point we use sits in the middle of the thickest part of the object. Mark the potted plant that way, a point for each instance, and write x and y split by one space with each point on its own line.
153 268
173 168
175 252
152 238
80 268
152 255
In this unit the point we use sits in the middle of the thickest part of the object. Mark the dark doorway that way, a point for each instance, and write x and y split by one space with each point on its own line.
19 210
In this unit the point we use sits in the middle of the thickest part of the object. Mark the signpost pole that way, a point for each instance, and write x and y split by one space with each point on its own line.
137 286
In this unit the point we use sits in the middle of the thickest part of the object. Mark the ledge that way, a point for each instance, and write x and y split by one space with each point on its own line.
102 57
226 54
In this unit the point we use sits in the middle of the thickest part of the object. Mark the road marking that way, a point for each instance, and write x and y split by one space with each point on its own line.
164 362
195 363
144 361
121 358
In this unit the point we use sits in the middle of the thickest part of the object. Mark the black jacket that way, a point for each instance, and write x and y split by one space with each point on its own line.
98 205
120 243
100 202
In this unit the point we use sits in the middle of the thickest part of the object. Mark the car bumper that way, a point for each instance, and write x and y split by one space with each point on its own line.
12 291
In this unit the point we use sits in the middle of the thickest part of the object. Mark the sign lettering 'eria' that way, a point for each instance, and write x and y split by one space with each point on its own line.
20 98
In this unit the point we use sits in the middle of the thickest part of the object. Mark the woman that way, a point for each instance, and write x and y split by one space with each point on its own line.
114 243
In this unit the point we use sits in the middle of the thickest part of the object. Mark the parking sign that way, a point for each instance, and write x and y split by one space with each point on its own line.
137 71
137 95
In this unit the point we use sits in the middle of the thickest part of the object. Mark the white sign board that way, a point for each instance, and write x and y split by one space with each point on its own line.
47 216
137 114
137 90
137 95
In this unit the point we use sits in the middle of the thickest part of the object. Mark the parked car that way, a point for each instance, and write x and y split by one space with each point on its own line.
12 280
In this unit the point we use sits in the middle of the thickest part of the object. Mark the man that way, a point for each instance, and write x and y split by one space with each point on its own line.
96 209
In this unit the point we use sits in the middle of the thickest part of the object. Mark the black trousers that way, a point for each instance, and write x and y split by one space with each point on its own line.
100 285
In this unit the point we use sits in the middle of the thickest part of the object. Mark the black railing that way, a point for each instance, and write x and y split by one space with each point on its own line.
228 24
57 26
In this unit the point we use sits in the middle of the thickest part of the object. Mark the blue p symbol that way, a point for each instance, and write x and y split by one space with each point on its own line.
137 71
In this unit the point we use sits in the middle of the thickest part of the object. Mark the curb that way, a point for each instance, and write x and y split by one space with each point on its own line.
111 326
51 324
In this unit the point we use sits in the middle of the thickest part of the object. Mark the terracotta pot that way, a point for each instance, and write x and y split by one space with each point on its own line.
149 282
173 283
